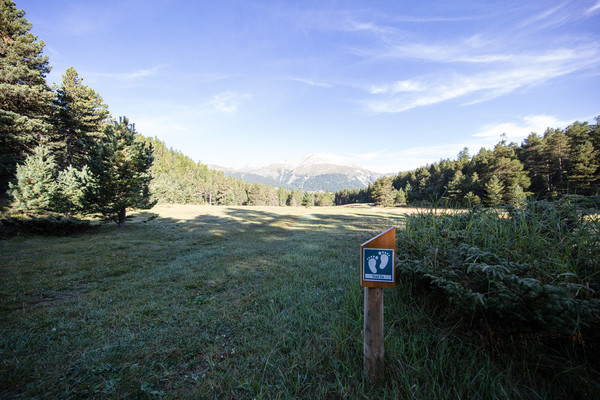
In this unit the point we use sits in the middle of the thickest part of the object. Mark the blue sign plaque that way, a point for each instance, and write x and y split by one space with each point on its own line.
378 265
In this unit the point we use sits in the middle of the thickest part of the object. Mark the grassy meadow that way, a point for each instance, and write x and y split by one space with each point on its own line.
242 303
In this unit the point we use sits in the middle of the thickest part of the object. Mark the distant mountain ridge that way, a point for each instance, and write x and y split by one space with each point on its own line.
315 172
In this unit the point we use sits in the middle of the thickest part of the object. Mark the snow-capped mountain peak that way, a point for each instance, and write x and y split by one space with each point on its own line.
321 158
315 172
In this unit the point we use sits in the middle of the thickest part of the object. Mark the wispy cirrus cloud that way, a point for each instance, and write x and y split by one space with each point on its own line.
207 77
518 71
399 87
225 103
182 119
552 16
593 9
128 76
311 82
522 128
518 50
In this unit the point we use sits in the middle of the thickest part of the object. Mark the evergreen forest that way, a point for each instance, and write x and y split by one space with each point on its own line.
559 162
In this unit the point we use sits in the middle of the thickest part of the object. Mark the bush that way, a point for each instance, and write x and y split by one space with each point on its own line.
48 225
534 268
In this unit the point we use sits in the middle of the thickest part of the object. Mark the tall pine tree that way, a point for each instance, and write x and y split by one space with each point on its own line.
25 98
383 192
493 191
35 188
557 149
121 169
80 115
583 167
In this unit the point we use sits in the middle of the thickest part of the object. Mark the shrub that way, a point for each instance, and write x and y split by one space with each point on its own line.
48 225
534 268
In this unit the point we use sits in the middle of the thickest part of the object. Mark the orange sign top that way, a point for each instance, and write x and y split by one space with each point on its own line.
378 261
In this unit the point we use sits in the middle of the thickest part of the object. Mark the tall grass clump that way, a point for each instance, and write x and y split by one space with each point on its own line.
528 269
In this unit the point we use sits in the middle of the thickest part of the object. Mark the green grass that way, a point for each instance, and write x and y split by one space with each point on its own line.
254 302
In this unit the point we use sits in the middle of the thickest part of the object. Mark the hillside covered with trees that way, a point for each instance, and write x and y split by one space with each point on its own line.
179 179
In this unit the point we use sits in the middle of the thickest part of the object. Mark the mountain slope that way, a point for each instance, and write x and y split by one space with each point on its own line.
316 172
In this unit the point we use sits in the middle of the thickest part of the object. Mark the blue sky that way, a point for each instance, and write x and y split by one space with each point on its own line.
387 85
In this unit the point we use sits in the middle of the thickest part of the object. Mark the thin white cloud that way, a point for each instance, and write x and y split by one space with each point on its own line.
593 9
186 119
225 103
128 76
399 87
470 52
206 77
311 82
434 19
521 129
550 16
480 66
370 156
357 26
523 71
353 23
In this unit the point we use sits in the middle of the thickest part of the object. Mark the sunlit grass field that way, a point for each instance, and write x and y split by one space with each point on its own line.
237 302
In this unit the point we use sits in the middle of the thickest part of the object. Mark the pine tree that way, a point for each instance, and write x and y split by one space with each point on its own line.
80 115
122 172
308 199
557 149
408 190
257 195
463 158
493 190
73 190
454 188
515 195
324 199
35 189
509 170
471 199
400 197
531 154
295 198
282 196
222 194
25 98
582 171
383 192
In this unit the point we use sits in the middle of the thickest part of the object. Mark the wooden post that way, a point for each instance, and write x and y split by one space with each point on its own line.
373 339
378 271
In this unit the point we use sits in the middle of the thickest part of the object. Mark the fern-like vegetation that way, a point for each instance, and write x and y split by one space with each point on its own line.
529 269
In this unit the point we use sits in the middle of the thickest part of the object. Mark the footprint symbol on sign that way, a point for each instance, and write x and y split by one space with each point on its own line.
371 262
384 259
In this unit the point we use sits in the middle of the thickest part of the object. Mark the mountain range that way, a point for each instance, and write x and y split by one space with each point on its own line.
315 172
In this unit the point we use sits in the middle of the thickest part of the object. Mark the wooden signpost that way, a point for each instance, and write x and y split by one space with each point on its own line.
378 271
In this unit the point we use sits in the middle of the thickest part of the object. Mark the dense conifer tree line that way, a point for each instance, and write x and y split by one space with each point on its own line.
559 162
